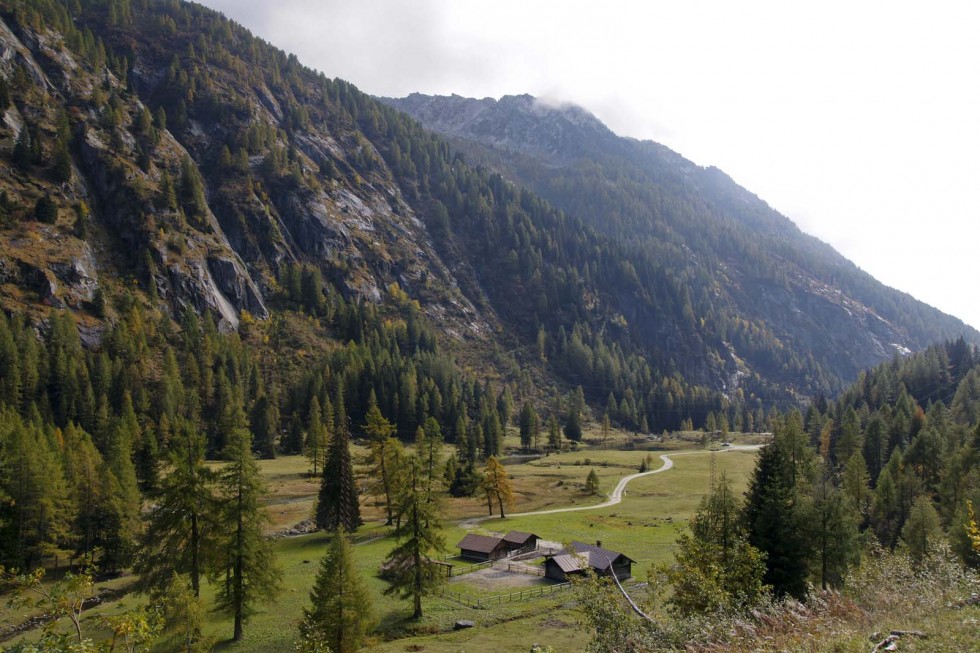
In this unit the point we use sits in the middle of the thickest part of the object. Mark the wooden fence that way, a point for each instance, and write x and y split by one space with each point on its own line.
520 568
487 602
459 571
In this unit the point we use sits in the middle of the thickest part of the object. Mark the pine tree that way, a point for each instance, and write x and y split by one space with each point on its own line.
428 446
341 611
419 536
529 426
265 424
245 557
122 492
497 485
554 434
83 466
183 618
315 446
181 532
38 510
921 529
835 532
592 482
379 431
337 504
715 568
573 423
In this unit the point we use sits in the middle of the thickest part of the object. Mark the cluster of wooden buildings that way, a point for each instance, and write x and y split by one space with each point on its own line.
572 560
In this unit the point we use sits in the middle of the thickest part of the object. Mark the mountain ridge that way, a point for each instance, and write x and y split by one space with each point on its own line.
523 139
193 167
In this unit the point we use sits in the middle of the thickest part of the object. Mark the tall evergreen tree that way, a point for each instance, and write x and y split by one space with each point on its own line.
181 532
38 511
529 426
777 515
245 557
428 447
715 568
341 611
419 536
337 504
83 467
315 446
379 432
835 532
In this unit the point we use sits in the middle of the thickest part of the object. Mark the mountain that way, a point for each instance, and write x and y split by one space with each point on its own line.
758 285
159 155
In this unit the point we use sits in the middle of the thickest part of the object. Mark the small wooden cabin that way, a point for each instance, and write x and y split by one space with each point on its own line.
482 547
520 541
603 561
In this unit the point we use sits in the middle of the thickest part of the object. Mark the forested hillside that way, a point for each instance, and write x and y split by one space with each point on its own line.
160 148
211 253
783 304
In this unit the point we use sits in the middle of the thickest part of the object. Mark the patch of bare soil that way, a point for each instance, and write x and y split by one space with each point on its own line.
499 580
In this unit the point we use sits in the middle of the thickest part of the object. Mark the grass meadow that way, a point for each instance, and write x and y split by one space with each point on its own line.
643 526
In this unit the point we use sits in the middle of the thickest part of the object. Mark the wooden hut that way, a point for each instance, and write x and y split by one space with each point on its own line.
481 547
581 556
520 541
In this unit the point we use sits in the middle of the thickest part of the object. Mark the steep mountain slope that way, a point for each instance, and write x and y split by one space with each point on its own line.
760 284
161 154
188 169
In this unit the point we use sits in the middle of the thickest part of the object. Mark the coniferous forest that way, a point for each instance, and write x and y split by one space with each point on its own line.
212 255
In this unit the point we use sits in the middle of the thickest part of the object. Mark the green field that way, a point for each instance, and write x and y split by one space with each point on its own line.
643 526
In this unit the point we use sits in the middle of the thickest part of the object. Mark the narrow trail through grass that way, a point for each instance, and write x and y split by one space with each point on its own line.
616 496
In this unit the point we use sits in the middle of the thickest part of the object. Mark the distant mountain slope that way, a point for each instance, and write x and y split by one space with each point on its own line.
159 153
754 278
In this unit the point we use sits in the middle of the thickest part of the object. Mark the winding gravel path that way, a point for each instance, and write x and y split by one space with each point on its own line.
616 496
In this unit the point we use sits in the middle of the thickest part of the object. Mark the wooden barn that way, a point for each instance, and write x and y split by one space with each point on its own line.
603 561
519 541
482 547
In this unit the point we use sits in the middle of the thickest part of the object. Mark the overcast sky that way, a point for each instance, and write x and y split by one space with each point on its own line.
860 121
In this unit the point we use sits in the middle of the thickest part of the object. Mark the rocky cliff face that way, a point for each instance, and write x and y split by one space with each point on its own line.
148 196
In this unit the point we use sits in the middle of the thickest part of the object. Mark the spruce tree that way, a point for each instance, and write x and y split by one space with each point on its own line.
38 510
592 482
835 532
715 568
777 509
529 426
554 434
338 504
83 465
428 446
340 613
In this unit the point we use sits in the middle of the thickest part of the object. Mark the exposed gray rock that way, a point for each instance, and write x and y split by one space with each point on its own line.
91 337
236 285
78 274
37 280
